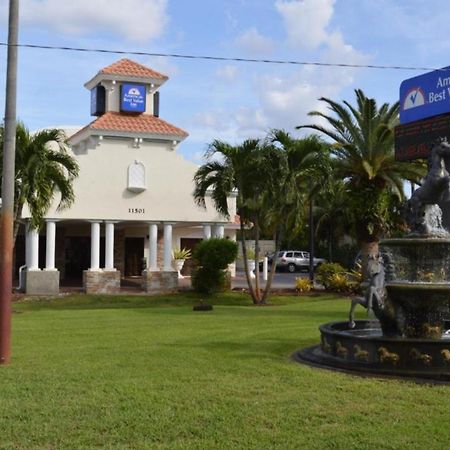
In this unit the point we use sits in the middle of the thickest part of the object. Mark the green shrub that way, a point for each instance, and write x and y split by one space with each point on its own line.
334 278
303 285
213 257
326 271
338 282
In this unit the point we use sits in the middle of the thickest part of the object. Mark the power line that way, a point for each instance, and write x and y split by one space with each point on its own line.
224 58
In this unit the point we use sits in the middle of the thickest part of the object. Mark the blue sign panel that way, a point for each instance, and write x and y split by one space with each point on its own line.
425 96
132 98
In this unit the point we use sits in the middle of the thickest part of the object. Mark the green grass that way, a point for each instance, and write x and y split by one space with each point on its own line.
148 372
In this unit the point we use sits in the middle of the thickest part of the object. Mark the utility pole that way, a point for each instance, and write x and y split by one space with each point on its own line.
7 212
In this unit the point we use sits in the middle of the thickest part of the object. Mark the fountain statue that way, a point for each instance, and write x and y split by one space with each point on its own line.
408 292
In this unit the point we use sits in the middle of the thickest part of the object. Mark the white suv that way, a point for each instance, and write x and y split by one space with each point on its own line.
294 260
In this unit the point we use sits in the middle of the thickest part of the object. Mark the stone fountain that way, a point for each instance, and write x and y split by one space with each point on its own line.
409 294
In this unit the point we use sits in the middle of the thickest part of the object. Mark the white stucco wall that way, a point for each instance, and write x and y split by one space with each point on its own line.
101 189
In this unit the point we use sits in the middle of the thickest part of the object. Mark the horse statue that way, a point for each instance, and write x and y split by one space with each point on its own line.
424 214
381 270
375 291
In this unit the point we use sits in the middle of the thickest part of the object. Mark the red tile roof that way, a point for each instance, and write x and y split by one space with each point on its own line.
142 123
130 68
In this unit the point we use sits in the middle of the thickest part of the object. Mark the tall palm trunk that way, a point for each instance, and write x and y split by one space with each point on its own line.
369 249
278 239
247 274
17 216
257 275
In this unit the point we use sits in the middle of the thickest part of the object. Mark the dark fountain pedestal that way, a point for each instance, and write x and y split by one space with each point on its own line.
417 301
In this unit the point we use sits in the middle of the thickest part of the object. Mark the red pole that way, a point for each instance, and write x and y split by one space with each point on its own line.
7 213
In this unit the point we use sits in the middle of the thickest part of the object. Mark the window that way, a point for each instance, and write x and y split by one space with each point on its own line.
136 177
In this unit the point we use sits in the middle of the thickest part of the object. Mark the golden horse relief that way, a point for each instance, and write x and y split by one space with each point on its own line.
388 357
416 355
341 351
359 354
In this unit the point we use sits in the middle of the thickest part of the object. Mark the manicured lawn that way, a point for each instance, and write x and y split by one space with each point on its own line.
134 372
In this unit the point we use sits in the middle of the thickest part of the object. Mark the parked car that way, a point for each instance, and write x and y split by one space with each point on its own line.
292 261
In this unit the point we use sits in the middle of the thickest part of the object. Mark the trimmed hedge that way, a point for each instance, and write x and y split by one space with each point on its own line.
213 257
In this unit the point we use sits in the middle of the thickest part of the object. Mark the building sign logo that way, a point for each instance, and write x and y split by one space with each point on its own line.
132 98
414 98
425 96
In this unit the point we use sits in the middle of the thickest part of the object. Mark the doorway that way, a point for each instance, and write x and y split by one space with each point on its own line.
134 256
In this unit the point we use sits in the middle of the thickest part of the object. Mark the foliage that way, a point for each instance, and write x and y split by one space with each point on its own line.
183 253
338 282
363 150
336 279
345 254
332 215
213 257
326 271
250 254
43 168
284 173
303 285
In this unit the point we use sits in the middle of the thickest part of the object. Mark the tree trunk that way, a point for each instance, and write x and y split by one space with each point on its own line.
17 217
368 250
278 239
257 278
244 256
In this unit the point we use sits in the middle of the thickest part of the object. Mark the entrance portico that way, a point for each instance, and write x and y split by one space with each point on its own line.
93 254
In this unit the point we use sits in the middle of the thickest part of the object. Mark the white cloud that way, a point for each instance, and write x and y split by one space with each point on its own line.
306 21
253 42
136 20
163 65
228 72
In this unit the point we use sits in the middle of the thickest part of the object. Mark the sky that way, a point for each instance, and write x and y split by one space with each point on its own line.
224 100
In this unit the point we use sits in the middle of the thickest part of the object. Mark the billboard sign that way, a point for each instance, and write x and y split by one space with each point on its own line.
132 98
414 140
425 96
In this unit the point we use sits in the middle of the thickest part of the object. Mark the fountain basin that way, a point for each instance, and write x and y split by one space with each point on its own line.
364 349
423 307
418 259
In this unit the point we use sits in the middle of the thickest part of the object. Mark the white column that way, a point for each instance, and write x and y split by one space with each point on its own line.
50 245
219 231
206 231
27 247
95 246
153 244
109 246
168 247
33 249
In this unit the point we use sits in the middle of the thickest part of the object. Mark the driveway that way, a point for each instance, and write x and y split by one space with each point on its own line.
281 280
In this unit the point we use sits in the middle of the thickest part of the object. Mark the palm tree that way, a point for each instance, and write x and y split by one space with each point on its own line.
303 167
332 213
43 168
272 179
363 147
234 169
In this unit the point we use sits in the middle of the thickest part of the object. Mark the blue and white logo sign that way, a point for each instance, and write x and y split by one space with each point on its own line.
425 96
132 98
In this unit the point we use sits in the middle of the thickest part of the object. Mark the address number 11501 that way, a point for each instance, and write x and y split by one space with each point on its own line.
136 210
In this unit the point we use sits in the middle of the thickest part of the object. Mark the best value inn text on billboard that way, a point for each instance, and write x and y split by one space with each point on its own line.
424 114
